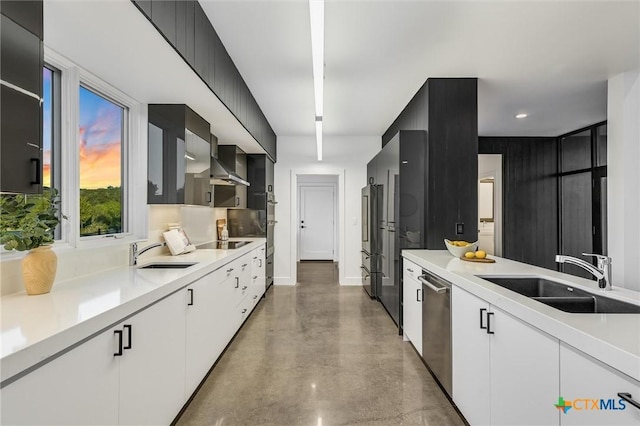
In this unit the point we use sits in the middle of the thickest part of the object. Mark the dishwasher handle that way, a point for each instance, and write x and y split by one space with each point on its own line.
432 286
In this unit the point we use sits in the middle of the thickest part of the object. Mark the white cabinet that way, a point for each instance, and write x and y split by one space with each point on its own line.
77 388
412 297
504 370
152 366
130 374
208 328
258 274
587 383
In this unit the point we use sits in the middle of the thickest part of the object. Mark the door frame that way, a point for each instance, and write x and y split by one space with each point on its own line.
334 186
340 212
496 174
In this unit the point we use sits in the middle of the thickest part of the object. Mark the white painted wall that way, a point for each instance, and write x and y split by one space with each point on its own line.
346 156
623 178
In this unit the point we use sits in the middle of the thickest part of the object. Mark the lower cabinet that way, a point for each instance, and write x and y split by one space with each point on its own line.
505 372
590 388
77 388
152 365
130 374
141 371
412 298
208 329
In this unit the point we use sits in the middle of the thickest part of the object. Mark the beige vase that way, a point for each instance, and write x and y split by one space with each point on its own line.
39 270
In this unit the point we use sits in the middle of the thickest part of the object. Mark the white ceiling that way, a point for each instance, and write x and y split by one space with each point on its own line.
550 59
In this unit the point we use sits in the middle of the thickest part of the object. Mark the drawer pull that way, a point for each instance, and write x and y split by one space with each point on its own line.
489 315
244 311
627 397
190 290
482 312
119 334
237 282
128 328
244 288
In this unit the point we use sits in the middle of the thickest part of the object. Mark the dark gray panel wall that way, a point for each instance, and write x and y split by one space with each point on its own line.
447 109
187 28
530 197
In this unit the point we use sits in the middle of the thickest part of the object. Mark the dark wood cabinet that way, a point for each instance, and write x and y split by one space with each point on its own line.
21 63
179 156
21 57
21 143
260 175
164 16
26 13
190 32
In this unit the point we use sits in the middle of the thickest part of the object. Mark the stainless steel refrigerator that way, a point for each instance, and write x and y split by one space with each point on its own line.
371 242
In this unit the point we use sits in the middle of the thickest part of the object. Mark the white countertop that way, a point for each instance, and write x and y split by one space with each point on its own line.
611 338
34 328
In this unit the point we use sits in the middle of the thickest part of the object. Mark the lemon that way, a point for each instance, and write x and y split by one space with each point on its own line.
481 254
469 255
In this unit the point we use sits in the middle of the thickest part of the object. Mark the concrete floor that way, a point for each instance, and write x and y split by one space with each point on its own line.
319 354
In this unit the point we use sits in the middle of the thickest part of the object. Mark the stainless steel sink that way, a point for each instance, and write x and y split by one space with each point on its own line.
562 296
167 265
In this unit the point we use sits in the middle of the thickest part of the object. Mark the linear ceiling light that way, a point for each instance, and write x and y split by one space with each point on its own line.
316 12
319 137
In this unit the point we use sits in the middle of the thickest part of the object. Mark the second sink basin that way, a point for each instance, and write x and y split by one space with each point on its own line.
562 296
167 265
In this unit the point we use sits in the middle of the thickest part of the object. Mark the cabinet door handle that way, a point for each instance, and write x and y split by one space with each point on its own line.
38 172
482 312
119 334
260 265
418 295
489 315
627 397
190 290
237 201
237 282
129 338
208 197
244 311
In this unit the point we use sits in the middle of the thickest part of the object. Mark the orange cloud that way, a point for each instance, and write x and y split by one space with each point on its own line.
100 165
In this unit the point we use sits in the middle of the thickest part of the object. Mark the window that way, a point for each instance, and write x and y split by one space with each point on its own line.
102 133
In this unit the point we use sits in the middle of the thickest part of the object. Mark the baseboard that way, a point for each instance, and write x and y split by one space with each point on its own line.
351 281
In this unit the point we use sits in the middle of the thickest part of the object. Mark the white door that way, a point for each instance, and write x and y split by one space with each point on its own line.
316 222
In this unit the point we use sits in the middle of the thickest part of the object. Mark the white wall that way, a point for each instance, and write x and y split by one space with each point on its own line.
346 156
623 178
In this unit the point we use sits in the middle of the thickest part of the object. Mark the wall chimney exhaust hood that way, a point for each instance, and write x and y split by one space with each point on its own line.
220 175
228 164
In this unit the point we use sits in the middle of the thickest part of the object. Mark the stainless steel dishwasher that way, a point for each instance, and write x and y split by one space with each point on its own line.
436 327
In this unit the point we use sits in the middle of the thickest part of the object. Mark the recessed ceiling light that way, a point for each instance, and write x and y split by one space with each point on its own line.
521 115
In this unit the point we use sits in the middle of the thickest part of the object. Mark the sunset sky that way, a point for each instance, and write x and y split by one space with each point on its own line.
46 127
100 138
100 141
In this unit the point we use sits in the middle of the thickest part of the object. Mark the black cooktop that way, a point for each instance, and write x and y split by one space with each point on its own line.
224 245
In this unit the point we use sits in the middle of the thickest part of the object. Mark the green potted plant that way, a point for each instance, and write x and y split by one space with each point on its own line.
28 222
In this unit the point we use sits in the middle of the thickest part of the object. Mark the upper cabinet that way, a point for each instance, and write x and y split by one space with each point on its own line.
21 66
260 174
234 196
179 156
185 25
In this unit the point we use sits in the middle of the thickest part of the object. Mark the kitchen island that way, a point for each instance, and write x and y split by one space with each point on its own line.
509 350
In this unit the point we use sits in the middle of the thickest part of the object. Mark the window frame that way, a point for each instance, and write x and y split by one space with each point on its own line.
134 167
124 165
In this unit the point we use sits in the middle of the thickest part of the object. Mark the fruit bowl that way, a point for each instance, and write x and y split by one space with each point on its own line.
458 250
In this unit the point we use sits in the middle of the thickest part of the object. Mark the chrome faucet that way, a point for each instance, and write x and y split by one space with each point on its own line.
602 272
134 252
